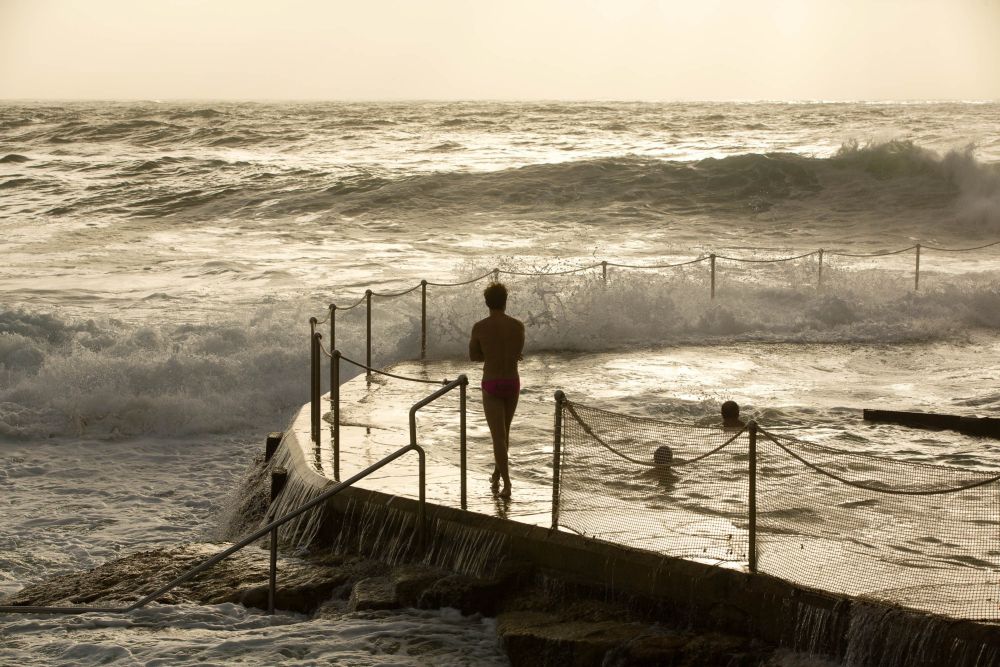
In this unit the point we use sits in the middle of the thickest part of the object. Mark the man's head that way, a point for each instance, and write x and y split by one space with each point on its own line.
663 456
496 296
730 411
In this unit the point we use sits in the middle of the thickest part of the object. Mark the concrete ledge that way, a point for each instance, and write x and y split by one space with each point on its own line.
676 590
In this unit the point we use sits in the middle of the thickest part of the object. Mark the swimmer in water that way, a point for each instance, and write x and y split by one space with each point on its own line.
498 342
731 415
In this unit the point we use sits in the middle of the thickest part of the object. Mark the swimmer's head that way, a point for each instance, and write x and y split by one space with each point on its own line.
496 296
730 410
663 456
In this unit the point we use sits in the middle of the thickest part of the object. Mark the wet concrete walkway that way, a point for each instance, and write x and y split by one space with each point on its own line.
374 423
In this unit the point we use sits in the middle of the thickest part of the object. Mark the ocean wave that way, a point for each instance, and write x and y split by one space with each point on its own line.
65 377
13 158
16 183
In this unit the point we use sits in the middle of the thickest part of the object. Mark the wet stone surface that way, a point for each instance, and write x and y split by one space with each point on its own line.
537 623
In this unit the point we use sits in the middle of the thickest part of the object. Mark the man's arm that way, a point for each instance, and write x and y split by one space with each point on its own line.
475 347
519 343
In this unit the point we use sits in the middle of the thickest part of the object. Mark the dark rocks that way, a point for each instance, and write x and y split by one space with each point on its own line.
372 594
411 580
540 639
242 578
541 620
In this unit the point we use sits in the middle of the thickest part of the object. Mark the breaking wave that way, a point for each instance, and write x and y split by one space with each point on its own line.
108 379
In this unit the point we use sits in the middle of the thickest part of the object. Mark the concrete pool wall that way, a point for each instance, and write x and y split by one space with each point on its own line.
679 591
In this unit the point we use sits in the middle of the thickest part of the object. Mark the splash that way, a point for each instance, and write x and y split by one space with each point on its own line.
111 379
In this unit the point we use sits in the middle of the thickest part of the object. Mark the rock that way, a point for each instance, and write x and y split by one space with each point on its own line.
467 594
412 580
540 639
374 593
243 577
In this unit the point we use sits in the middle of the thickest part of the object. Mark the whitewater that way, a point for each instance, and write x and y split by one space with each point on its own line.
161 261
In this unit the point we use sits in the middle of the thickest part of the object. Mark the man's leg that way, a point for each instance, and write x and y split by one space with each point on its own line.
494 409
510 405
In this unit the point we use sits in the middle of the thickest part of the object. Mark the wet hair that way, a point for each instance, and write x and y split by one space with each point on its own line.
496 296
663 456
730 410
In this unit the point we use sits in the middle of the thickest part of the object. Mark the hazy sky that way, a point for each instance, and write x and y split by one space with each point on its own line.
500 49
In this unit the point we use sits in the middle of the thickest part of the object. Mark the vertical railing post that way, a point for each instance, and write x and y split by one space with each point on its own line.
422 507
556 457
496 275
819 279
279 479
604 271
368 335
423 319
462 436
916 274
316 391
273 575
333 333
712 264
752 500
335 399
313 363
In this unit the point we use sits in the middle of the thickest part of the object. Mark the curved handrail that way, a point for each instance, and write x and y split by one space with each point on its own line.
246 541
462 381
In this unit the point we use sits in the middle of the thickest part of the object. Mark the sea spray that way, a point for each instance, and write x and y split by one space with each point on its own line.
111 379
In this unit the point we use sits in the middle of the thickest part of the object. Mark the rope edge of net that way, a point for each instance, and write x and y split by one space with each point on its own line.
648 420
865 487
589 431
882 459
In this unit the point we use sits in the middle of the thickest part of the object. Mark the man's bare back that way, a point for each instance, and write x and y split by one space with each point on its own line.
498 341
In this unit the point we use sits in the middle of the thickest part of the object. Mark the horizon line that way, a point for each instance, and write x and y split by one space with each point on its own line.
456 100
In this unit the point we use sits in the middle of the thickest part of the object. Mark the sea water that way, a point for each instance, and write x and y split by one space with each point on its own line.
160 263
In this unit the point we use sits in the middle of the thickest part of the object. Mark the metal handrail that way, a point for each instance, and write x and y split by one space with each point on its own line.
461 382
269 528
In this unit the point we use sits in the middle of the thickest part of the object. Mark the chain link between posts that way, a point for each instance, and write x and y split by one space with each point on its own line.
604 264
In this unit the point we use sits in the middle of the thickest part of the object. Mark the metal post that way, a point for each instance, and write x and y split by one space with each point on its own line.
496 275
333 336
916 275
604 271
462 438
316 412
712 262
271 444
313 375
422 508
273 578
752 500
819 282
335 399
279 479
368 335
423 319
556 454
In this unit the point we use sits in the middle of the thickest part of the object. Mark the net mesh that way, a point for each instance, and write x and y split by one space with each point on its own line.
922 536
917 535
611 488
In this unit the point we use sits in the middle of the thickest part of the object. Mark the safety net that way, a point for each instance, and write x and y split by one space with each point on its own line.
615 486
908 533
922 536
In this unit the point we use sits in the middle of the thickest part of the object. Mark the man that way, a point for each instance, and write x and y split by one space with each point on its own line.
731 415
498 341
